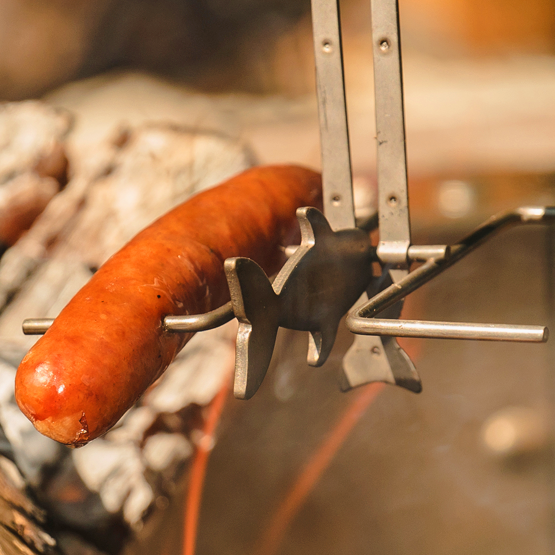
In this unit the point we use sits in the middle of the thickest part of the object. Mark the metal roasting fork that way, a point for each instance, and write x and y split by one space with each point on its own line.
332 267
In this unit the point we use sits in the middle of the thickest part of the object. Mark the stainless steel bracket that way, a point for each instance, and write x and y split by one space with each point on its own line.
393 202
332 112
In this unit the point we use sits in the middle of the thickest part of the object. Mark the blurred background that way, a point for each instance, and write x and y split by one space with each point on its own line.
465 467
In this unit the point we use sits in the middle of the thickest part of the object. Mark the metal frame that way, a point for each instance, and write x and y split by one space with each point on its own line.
362 319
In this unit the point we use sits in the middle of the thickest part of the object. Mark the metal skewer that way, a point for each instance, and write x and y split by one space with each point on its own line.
190 323
450 330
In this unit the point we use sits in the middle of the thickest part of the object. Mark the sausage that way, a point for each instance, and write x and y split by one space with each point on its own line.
108 344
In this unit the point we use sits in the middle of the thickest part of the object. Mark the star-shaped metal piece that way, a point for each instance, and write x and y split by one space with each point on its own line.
380 359
317 285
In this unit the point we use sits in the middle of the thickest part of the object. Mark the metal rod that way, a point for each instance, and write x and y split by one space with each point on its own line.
421 253
449 330
393 204
188 323
357 318
433 267
332 112
200 322
36 326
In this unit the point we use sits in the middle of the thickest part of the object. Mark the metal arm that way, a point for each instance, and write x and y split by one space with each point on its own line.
362 321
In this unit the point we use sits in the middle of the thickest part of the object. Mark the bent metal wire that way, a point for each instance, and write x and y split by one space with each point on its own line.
332 267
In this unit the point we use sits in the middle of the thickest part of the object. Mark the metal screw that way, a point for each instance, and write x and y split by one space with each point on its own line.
376 351
392 200
336 199
326 46
384 45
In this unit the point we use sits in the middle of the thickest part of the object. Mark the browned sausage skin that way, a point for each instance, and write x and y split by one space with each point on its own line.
108 345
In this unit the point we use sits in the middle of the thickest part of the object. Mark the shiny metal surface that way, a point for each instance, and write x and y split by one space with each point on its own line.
36 326
393 204
332 112
317 285
372 358
357 318
200 322
421 253
190 323
449 330
336 168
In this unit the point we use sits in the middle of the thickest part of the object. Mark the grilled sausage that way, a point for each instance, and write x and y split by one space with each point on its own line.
108 344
